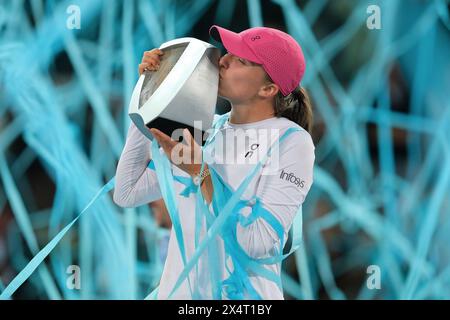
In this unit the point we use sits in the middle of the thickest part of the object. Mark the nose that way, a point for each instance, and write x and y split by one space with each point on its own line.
224 61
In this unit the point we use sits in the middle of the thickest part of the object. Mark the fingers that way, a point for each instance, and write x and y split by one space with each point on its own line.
156 133
187 136
179 153
153 52
169 146
195 149
147 67
150 60
163 139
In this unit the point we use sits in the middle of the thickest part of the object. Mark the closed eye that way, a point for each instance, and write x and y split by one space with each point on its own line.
240 59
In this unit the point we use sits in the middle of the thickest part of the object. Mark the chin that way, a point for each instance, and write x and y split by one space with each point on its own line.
221 95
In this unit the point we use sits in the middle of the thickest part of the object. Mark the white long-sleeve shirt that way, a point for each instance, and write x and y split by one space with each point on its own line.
281 185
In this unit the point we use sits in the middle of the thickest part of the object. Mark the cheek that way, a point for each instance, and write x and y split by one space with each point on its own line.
242 85
232 89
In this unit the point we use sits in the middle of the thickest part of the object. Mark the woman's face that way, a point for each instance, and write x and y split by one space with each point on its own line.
240 80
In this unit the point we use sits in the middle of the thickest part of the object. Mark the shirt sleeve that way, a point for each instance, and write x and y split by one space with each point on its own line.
136 184
282 189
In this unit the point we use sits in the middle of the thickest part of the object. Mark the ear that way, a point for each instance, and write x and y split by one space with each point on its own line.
269 90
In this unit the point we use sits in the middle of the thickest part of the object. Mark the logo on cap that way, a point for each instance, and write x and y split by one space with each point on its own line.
256 38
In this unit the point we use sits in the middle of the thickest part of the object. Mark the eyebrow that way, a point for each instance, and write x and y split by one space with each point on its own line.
250 62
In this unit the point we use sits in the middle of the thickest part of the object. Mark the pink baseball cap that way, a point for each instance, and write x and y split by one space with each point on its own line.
278 53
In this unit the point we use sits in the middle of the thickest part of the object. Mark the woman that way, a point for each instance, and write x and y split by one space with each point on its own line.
260 76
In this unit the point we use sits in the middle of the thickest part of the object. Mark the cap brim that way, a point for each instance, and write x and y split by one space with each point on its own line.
233 42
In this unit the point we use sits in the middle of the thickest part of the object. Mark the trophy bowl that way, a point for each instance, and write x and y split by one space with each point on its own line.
182 93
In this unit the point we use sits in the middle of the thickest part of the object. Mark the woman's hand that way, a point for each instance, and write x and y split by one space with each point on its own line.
186 156
150 60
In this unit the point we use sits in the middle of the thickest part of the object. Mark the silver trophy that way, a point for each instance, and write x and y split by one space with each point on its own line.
182 93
